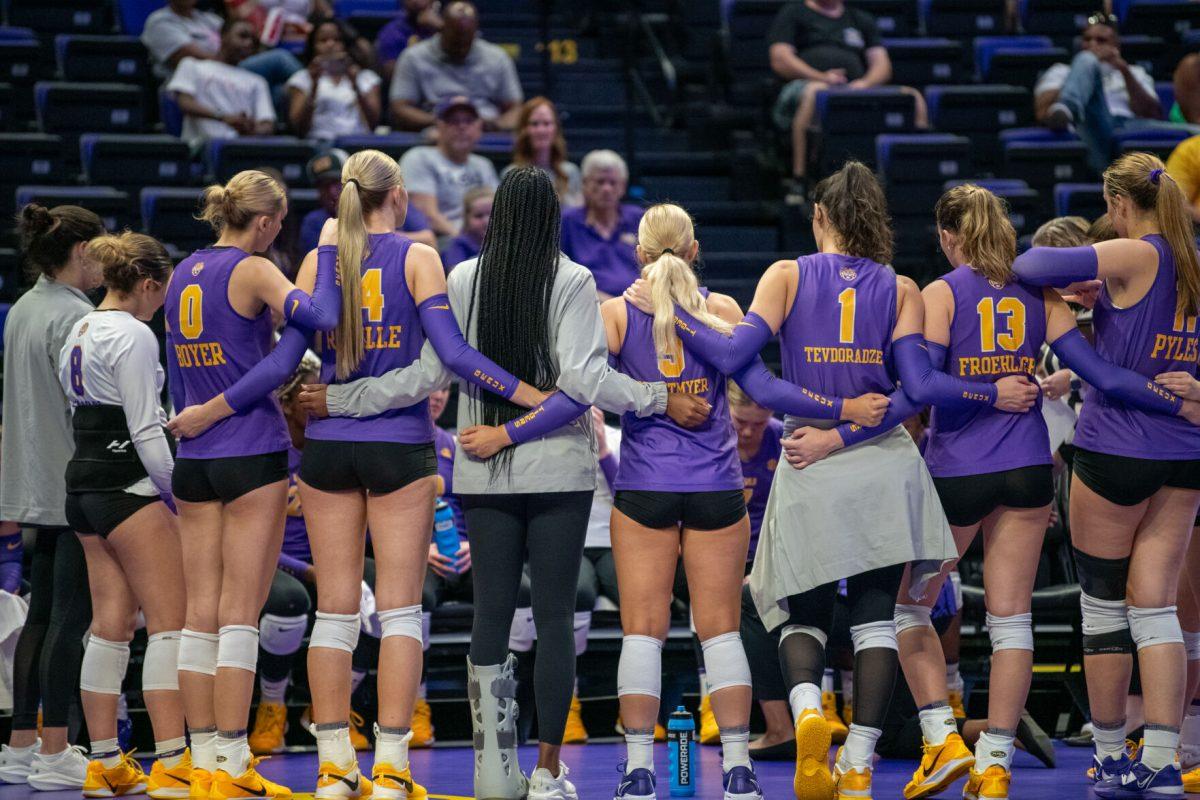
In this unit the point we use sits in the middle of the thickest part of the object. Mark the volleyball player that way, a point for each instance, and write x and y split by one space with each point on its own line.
109 370
1136 485
230 481
980 323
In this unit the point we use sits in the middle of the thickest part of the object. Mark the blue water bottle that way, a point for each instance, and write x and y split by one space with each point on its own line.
681 735
445 532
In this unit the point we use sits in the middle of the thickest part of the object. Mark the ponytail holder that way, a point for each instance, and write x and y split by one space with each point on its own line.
1155 176
666 250
354 181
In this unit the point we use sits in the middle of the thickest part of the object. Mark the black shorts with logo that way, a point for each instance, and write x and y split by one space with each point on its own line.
202 480
702 511
969 498
1127 481
378 467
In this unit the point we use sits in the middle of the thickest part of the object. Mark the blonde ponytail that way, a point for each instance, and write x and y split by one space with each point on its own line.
367 177
249 194
986 236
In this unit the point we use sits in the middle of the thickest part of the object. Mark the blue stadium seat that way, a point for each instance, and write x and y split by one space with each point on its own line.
90 58
1035 135
848 121
132 14
21 61
135 159
344 8
112 205
370 23
8 116
1042 164
738 265
922 157
169 215
1025 209
922 61
31 158
744 35
736 226
1079 200
170 113
985 47
1059 18
962 17
979 112
227 157
1166 95
61 16
76 108
395 144
10 33
892 17
1168 18
1159 142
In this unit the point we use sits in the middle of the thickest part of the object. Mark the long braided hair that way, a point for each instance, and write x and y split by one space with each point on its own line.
511 291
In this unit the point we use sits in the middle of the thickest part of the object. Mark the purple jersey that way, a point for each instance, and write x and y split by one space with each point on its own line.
837 339
995 332
214 345
757 472
393 338
1148 338
658 455
295 533
443 443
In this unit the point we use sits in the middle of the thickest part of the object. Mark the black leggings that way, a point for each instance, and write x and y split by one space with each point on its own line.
550 529
50 649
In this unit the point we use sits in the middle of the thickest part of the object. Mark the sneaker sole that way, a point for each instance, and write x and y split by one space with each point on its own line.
135 789
14 776
813 779
941 778
51 785
169 794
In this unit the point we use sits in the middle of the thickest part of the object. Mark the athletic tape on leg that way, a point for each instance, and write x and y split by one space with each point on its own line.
198 652
237 647
880 634
912 616
807 630
335 632
103 667
404 621
1154 626
725 662
281 636
639 670
1011 633
160 667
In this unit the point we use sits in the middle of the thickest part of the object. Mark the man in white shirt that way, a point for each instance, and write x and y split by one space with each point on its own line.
219 99
1098 93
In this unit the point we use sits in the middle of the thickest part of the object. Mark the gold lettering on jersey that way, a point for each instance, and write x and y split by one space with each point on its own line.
520 422
683 328
996 365
692 386
843 355
500 386
203 354
1176 348
382 337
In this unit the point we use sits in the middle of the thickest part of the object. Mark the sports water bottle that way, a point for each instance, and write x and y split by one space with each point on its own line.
681 734
445 532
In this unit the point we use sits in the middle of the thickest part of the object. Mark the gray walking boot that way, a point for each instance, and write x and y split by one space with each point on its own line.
492 691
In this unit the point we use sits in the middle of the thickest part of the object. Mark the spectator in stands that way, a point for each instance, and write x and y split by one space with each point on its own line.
602 233
178 31
219 99
325 172
1099 93
455 62
416 22
1184 167
817 45
540 143
279 20
477 213
1187 90
335 95
438 177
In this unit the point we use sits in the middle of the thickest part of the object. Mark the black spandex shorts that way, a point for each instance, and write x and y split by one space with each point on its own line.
1128 481
202 480
969 498
701 511
378 467
101 512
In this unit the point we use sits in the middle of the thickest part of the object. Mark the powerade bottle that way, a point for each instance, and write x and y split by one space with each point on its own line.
445 532
681 735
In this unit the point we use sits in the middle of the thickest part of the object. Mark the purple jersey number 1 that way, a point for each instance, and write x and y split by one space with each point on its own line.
77 370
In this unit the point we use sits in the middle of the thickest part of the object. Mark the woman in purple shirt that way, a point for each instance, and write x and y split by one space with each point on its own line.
602 233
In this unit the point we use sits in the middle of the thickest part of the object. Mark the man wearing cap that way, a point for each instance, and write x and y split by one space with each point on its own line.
455 62
438 176
325 172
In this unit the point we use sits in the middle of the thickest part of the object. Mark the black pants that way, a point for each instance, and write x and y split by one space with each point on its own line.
550 529
50 649
438 590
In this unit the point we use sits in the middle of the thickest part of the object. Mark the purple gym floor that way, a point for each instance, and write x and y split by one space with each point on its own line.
446 772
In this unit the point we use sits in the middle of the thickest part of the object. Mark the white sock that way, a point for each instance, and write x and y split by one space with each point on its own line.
1189 737
29 749
860 745
107 752
735 747
803 696
1109 742
273 691
421 691
847 688
233 753
1160 745
639 750
170 752
391 746
333 744
827 682
357 676
937 723
995 747
204 748
954 681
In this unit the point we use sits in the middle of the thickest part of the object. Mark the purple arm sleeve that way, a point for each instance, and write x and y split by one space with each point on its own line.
608 465
902 407
319 311
1057 266
174 377
269 374
551 415
929 386
1132 389
727 353
937 355
292 566
12 552
775 393
441 328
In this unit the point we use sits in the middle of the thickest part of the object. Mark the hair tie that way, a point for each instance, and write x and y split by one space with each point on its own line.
666 250
1156 176
354 181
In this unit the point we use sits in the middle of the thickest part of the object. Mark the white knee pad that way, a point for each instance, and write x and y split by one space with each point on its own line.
1191 643
1011 633
402 622
104 664
725 662
1102 616
911 616
335 632
160 667
1151 626
583 626
426 627
807 630
198 652
281 636
874 634
522 633
639 671
237 647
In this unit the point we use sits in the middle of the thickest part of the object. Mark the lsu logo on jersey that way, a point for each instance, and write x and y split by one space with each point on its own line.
83 329
847 273
197 268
